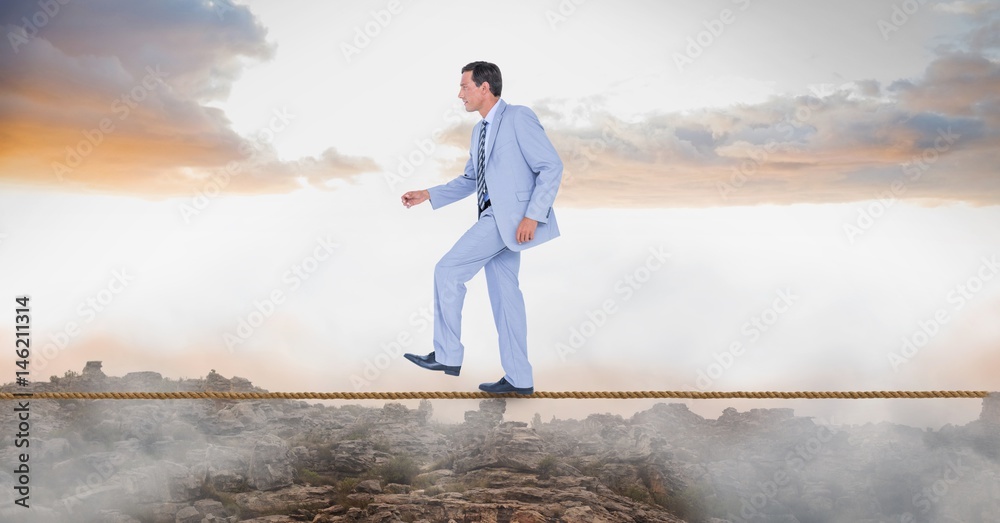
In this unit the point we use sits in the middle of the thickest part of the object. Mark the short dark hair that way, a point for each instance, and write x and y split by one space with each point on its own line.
486 72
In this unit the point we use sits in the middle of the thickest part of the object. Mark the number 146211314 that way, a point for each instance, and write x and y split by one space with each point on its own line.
22 340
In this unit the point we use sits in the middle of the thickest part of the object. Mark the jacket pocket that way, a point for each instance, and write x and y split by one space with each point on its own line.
523 196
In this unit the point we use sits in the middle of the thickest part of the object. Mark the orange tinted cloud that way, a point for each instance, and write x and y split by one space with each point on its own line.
936 137
112 95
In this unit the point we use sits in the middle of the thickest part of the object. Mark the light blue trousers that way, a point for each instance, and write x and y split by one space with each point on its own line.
481 246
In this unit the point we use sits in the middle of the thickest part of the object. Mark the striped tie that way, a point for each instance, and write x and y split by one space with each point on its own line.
481 168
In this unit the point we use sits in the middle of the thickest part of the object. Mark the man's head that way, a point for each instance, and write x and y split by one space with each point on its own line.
480 87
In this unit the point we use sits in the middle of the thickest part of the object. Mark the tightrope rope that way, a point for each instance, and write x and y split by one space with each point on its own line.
643 394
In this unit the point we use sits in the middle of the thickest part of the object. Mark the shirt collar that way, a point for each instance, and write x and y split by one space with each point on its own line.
493 112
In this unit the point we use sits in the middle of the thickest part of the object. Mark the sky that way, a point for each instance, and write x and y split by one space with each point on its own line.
757 195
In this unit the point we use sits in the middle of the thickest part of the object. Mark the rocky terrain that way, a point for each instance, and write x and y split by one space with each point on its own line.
193 461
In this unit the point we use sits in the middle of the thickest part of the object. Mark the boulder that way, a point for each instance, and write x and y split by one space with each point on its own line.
270 467
188 515
370 486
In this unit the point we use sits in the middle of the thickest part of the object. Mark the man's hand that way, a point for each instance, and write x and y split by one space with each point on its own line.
411 198
526 230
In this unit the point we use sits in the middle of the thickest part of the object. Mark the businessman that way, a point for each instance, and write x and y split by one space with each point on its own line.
514 172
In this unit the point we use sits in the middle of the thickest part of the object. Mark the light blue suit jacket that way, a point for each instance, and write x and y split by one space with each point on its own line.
523 172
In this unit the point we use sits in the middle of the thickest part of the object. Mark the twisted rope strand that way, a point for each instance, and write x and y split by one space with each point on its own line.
644 394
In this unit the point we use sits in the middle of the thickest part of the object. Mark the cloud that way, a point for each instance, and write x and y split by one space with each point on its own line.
960 84
115 95
936 136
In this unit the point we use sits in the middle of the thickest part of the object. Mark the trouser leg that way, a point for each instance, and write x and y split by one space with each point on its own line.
470 253
509 316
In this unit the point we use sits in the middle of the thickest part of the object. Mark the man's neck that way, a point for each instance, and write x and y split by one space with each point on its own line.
483 111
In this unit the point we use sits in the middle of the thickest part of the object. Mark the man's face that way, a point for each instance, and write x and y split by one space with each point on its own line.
473 96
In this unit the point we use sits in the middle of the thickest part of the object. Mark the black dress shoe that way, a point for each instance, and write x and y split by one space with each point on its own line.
504 386
428 362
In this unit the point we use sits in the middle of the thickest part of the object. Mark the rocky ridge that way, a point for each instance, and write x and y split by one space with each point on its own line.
278 461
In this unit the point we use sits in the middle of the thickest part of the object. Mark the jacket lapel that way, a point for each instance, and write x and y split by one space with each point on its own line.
494 126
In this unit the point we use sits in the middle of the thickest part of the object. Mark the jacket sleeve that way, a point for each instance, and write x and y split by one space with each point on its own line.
543 160
462 186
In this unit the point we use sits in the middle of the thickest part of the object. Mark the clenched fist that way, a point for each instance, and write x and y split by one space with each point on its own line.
411 198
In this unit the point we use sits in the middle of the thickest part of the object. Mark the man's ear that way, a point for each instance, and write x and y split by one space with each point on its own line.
486 85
